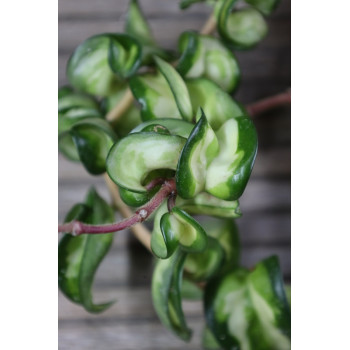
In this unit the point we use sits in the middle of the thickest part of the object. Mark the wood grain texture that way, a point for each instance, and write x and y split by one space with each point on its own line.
265 229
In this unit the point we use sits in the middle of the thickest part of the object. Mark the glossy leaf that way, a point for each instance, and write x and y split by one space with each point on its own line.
228 174
93 139
96 63
242 28
79 257
205 56
166 294
88 69
155 97
218 105
124 55
180 229
198 152
264 6
178 88
135 199
142 152
249 310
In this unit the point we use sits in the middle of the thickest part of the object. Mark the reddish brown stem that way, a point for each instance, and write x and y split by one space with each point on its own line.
269 103
77 228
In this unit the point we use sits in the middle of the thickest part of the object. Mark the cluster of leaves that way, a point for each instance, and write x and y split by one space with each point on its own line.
187 127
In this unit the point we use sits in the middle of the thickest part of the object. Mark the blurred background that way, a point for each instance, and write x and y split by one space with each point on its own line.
265 226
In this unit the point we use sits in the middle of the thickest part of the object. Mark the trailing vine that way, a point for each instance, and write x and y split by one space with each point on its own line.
164 130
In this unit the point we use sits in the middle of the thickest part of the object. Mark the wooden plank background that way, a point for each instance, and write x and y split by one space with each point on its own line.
265 228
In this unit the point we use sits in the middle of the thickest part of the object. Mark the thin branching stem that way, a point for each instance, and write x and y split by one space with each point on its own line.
77 228
269 103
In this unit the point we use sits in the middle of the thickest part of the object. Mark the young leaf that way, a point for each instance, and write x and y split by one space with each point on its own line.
166 294
135 156
198 152
93 139
180 229
136 24
178 88
264 6
205 56
228 174
79 257
124 55
243 28
155 97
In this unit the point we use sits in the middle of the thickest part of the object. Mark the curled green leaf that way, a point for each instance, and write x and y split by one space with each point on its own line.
97 65
249 309
237 151
93 139
166 294
207 57
124 55
242 28
180 229
73 107
198 152
79 257
142 152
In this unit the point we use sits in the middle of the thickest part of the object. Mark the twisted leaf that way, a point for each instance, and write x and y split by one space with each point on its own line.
79 257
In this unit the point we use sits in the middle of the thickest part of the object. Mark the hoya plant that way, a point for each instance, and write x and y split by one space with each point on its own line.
176 150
